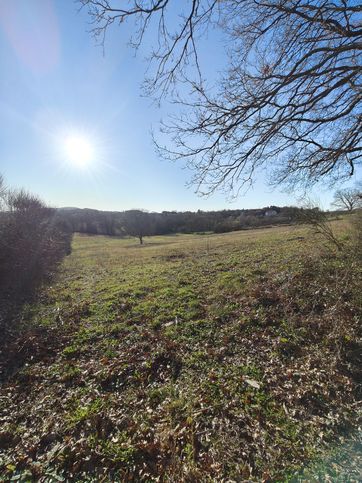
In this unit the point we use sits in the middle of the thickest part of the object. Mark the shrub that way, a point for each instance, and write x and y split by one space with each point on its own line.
32 243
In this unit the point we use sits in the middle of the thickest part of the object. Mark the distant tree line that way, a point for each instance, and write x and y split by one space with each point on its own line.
140 223
33 240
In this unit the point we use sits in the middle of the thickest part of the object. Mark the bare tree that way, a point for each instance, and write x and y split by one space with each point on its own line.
138 223
359 190
2 192
289 99
347 199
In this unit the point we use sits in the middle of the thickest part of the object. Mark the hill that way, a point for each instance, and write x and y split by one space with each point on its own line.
151 223
191 358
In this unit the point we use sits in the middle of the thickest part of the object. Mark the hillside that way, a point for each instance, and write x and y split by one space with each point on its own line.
225 357
131 222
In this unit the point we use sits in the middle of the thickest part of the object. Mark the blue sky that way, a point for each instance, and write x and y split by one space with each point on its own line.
55 81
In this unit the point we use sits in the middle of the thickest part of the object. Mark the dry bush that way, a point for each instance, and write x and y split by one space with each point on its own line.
318 220
32 243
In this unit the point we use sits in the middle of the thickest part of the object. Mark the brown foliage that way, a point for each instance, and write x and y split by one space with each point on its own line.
32 243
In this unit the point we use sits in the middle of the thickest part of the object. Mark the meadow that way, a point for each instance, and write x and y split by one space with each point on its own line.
191 358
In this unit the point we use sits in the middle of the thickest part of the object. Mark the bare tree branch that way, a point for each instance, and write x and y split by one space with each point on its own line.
289 100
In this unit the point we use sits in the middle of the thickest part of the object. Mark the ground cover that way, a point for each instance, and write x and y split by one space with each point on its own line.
191 358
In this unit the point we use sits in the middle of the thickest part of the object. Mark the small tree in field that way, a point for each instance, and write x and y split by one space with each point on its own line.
138 223
347 199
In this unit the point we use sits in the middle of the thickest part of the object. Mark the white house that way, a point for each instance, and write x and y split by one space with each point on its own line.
270 213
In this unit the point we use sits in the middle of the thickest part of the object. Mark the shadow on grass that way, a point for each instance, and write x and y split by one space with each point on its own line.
22 342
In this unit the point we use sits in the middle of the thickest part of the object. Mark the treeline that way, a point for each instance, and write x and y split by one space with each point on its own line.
140 223
33 240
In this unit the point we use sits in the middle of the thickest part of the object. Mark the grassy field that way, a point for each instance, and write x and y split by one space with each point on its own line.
190 358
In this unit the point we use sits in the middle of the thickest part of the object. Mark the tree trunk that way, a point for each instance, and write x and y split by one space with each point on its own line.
141 239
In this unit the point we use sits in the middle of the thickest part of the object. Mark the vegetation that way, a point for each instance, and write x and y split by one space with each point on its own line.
190 358
139 223
198 355
33 241
348 199
291 73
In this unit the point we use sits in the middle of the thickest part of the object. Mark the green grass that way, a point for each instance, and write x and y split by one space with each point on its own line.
194 357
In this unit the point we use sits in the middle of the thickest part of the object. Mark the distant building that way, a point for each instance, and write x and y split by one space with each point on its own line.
270 213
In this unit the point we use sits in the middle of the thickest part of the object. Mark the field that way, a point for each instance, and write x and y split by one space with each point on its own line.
191 358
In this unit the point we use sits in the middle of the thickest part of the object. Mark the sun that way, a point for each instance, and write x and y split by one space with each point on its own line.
79 150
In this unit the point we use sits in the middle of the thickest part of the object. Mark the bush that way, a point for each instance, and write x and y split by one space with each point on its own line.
32 243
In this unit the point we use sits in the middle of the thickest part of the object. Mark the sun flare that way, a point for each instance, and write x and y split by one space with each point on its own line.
78 150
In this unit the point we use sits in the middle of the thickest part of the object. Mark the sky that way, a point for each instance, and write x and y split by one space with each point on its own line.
59 89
